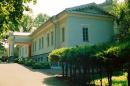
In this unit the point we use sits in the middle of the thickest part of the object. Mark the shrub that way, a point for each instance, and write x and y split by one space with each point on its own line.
41 65
119 51
21 60
56 55
29 62
16 60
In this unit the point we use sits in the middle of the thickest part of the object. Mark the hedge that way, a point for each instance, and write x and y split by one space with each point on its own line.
109 57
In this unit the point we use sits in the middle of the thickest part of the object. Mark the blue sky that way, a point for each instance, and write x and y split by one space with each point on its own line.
53 7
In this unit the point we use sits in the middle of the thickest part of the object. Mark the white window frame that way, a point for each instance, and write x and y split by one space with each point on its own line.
86 39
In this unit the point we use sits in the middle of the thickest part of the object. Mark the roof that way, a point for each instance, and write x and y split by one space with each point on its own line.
92 9
21 33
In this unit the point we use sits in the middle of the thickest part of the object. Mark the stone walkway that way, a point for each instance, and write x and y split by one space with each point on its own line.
18 75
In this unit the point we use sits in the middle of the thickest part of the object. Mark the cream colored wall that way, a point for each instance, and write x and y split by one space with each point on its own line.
62 24
57 43
100 29
45 48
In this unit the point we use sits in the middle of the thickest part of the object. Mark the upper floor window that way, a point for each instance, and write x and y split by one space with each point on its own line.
52 38
63 34
39 43
35 45
42 42
48 39
26 50
85 34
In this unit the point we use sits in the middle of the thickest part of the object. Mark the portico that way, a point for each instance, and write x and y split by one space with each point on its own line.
19 39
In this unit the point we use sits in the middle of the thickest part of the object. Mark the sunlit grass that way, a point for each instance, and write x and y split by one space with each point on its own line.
116 81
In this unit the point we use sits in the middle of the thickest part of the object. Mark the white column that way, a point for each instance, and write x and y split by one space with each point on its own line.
11 49
11 46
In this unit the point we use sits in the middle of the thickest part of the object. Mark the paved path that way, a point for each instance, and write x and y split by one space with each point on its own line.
18 75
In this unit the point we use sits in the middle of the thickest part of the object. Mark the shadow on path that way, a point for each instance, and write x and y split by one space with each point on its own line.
53 81
49 72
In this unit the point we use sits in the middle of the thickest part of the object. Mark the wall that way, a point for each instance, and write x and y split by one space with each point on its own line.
23 51
23 38
100 29
57 43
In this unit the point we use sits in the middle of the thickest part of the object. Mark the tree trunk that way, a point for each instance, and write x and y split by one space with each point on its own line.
110 78
110 82
63 74
75 75
66 69
101 75
70 68
79 69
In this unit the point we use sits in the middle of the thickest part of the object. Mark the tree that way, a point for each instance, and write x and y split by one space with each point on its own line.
26 23
40 19
11 12
122 17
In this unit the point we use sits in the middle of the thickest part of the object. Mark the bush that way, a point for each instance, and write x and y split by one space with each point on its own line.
33 64
29 62
118 52
16 60
56 55
41 65
20 60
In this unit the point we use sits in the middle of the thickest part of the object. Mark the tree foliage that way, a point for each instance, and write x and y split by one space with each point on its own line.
26 23
40 19
122 17
57 54
11 12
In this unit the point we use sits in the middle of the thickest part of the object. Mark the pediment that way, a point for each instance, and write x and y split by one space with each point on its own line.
89 8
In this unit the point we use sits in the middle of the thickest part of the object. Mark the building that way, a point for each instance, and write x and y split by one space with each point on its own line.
85 24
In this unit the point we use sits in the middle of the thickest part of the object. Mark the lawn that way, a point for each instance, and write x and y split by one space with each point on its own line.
116 81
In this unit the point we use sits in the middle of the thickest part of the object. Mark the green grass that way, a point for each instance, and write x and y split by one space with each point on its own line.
116 81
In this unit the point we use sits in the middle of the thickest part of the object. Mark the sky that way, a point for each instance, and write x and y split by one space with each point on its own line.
53 7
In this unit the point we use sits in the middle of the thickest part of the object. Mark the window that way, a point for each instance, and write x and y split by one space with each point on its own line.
42 42
51 38
19 51
63 34
48 39
26 50
39 44
35 45
85 34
